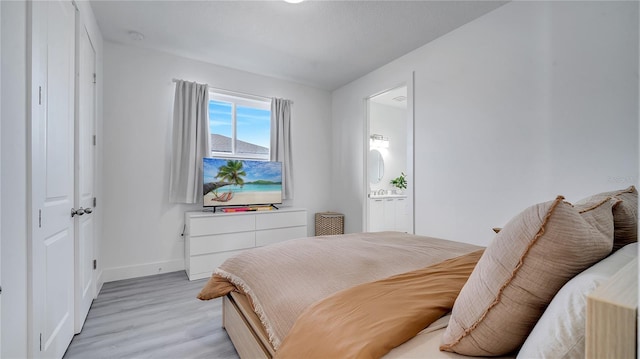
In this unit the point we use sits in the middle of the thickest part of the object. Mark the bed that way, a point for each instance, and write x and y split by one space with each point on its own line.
321 296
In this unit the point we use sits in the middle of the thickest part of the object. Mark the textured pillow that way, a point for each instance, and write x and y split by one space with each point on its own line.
560 332
601 220
528 261
625 214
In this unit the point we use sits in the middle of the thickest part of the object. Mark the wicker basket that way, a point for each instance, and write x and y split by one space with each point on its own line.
329 223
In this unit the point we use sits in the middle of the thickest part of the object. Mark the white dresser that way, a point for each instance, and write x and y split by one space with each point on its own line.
211 238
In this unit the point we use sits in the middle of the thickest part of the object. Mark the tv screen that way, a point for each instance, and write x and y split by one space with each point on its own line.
232 182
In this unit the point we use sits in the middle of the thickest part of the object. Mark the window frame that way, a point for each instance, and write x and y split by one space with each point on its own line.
245 100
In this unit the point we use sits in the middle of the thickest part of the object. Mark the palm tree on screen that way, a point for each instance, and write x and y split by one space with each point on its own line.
232 172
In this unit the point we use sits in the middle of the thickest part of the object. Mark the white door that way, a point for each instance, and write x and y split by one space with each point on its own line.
85 159
402 216
0 199
52 176
376 215
389 216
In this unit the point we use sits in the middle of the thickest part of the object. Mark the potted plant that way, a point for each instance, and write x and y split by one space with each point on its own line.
400 182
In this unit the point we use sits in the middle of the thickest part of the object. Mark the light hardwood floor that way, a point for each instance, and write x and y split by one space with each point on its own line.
153 317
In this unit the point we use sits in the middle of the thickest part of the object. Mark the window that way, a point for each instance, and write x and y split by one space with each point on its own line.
240 126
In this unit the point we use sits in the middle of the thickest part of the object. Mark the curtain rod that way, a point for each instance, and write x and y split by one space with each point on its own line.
235 92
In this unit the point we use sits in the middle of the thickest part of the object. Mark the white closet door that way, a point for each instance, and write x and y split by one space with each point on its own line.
0 191
85 170
52 178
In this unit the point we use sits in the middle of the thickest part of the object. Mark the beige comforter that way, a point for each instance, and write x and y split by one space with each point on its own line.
368 320
285 278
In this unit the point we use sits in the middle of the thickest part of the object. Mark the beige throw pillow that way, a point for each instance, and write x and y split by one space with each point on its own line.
625 214
529 260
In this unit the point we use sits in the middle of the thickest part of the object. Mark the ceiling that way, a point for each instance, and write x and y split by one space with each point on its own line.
396 97
320 43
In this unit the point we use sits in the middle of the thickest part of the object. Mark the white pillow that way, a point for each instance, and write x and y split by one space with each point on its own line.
560 331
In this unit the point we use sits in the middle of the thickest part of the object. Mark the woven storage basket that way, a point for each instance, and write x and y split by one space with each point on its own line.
328 223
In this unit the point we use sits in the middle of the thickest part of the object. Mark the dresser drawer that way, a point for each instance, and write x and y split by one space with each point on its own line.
212 238
271 236
222 224
279 220
221 242
202 266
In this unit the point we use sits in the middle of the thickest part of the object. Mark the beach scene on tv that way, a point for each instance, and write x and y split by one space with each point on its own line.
229 182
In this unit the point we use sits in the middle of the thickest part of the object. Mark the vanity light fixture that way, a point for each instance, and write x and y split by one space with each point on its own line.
378 141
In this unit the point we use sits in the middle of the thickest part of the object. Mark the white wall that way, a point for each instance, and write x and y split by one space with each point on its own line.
141 232
13 167
531 100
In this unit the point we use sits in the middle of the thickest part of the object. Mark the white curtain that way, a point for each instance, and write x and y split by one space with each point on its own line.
190 141
281 142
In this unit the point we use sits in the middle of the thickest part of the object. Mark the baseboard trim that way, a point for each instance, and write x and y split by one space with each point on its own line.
141 270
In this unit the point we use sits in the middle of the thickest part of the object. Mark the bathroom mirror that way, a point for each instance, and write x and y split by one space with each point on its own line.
376 166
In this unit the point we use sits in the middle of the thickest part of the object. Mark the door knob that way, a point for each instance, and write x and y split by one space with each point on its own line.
77 212
88 210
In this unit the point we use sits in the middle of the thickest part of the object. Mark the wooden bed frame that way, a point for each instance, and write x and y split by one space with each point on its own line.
250 342
612 315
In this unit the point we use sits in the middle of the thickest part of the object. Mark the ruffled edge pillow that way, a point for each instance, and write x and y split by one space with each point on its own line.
625 214
528 261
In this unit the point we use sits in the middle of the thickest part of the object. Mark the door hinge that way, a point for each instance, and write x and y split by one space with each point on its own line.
39 95
95 201
94 140
40 341
95 264
39 218
94 78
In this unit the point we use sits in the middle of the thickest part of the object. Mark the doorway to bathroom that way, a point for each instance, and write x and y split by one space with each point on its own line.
389 164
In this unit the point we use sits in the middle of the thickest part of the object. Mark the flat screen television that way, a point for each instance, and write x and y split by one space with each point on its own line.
236 182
